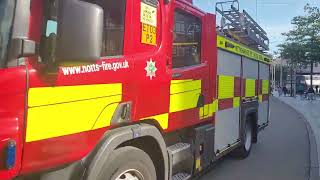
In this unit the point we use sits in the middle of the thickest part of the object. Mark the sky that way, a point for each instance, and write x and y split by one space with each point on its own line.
274 16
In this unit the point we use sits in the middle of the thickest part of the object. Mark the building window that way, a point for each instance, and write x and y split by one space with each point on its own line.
187 40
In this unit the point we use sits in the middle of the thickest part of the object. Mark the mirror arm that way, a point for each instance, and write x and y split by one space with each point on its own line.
22 48
51 64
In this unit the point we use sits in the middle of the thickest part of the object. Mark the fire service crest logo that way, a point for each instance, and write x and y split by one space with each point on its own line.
151 69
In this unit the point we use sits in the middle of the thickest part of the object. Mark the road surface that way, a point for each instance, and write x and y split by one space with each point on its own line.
282 151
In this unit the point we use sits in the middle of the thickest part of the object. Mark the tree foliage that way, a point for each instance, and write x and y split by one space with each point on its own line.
302 45
295 52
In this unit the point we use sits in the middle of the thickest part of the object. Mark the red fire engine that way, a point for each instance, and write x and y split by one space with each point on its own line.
127 89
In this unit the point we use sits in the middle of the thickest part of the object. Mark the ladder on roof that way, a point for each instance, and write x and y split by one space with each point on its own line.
241 26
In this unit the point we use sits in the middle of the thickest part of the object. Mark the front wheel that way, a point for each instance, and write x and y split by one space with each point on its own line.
128 163
244 150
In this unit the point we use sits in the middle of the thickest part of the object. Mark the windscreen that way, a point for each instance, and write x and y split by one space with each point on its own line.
6 18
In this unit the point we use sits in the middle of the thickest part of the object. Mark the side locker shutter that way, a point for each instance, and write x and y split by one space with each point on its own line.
263 94
228 115
250 77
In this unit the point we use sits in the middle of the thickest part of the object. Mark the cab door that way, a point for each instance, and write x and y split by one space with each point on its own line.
189 84
73 104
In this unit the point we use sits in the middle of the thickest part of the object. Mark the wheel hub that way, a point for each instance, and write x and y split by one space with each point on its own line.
248 139
131 174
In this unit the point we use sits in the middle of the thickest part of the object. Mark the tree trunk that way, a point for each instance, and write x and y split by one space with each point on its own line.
311 74
295 82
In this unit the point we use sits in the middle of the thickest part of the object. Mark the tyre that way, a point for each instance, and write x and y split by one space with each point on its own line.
128 163
244 150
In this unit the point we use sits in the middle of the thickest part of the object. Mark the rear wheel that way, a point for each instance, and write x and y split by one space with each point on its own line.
244 150
128 163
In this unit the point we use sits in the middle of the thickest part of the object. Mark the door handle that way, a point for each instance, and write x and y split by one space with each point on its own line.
176 75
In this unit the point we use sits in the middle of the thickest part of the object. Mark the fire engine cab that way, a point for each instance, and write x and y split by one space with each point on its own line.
127 89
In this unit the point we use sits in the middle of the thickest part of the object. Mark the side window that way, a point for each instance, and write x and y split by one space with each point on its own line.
114 20
186 40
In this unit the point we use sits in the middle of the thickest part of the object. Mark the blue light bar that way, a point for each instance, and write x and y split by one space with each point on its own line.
11 154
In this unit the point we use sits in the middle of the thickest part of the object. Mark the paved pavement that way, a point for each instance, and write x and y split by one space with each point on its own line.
311 111
282 151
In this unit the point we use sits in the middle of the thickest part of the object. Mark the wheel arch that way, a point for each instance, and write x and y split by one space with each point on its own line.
153 122
132 135
251 114
152 149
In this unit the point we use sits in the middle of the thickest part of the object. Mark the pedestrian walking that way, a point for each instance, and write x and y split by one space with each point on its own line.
285 90
279 90
310 93
317 89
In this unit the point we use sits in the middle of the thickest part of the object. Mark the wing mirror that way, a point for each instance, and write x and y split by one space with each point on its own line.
79 31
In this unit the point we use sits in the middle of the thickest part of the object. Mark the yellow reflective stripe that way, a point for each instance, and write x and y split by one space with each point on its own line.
184 94
241 50
61 94
68 118
180 81
184 101
204 111
225 87
260 98
208 110
265 86
185 86
236 102
198 164
250 87
215 106
163 120
60 116
105 118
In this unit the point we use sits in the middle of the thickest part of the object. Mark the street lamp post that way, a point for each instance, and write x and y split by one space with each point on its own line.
281 69
274 77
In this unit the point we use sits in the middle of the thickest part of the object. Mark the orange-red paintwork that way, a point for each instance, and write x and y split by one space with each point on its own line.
12 114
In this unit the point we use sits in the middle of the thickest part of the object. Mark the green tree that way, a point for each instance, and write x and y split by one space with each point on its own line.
295 52
302 44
